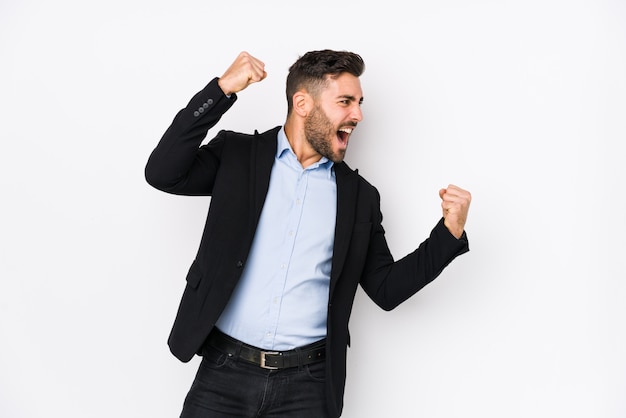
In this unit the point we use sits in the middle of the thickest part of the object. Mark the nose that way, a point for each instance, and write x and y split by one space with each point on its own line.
357 113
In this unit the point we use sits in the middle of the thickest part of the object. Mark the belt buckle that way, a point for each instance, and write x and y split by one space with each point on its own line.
263 361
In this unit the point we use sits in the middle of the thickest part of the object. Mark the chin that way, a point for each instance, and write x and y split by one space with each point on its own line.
338 158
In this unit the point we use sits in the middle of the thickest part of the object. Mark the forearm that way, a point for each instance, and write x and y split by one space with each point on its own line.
389 283
177 162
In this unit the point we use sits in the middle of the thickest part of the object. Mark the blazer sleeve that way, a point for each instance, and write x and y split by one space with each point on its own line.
389 283
179 164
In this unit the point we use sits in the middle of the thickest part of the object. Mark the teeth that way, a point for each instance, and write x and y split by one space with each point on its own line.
346 130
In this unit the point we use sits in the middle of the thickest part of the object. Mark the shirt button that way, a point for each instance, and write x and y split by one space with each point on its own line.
239 264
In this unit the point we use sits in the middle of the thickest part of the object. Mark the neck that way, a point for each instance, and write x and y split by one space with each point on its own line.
305 154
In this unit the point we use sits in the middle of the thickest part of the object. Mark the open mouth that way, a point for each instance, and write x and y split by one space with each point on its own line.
343 134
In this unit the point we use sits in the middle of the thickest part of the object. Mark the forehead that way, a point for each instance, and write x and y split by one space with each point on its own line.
344 85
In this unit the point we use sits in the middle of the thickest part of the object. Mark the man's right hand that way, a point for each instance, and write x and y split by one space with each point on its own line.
244 71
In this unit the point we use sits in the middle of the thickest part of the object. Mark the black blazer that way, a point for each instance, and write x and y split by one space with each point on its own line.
234 169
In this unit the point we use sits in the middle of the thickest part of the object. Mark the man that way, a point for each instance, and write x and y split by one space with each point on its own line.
291 232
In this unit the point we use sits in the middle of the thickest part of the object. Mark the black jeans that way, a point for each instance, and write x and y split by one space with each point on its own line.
228 388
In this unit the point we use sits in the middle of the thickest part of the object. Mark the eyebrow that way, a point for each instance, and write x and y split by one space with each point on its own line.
352 98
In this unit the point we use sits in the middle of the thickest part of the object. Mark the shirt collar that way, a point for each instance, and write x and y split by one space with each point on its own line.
284 147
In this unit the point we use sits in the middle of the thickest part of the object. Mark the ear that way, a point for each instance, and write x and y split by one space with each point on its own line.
302 103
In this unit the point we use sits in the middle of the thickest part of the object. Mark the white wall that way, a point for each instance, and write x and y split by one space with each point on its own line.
521 102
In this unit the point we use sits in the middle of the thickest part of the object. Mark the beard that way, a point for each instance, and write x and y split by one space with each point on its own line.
319 132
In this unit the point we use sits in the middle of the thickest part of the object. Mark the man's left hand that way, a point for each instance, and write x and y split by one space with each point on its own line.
455 204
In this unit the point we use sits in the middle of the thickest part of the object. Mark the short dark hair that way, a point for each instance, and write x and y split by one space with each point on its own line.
311 71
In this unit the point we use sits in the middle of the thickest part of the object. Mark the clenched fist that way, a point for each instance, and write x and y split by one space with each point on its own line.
244 71
455 204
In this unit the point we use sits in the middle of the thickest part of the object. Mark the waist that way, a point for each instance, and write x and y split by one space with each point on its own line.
267 359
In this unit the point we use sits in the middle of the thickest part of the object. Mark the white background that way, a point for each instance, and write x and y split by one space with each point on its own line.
521 102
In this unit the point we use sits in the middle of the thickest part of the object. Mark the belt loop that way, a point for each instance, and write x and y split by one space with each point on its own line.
237 353
300 359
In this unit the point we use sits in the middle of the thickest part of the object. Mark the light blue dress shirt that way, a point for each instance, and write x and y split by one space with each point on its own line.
281 300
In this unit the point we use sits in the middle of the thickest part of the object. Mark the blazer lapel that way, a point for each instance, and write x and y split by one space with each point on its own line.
261 168
347 186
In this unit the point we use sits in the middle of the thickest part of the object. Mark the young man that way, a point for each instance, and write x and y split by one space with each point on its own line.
291 232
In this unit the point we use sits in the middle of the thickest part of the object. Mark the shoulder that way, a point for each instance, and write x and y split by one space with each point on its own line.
342 169
230 137
247 138
238 146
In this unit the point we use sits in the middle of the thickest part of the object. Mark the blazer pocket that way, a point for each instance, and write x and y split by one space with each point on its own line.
194 275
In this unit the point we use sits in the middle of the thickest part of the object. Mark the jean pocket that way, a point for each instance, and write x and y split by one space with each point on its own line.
316 371
212 357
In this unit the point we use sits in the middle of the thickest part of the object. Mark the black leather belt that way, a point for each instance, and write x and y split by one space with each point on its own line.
267 359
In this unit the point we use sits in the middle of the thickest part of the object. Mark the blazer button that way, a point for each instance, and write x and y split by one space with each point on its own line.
196 113
239 264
